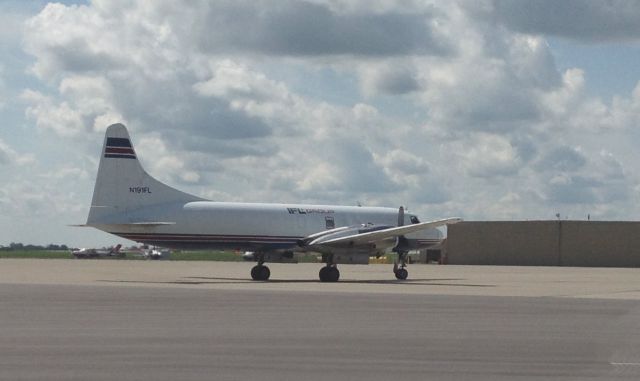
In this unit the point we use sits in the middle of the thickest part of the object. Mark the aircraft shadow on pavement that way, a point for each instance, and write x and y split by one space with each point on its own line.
221 280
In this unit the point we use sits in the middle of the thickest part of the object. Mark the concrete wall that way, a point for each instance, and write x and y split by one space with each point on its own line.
544 243
602 244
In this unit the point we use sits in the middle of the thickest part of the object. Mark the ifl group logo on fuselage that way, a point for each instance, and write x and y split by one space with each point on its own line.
309 211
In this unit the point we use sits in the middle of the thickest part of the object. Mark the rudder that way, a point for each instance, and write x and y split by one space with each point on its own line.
122 185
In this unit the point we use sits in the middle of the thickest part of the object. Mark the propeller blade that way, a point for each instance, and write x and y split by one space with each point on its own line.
401 216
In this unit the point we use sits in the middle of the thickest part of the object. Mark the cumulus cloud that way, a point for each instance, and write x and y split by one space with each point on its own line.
489 155
590 21
19 195
405 163
393 78
574 178
563 159
2 88
454 108
158 159
9 156
50 114
493 91
298 28
5 154
574 189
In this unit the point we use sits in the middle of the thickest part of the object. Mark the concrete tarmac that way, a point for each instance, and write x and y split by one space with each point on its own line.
136 320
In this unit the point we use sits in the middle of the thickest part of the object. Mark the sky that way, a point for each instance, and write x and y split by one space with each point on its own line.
486 110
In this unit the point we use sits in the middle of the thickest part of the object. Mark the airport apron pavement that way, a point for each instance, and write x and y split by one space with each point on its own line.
113 328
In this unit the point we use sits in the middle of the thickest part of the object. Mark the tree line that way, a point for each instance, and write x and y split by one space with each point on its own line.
19 246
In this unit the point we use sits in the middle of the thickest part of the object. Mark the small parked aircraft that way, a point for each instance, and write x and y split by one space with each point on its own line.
130 203
97 253
156 253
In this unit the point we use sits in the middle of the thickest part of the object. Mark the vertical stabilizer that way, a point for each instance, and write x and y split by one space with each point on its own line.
122 185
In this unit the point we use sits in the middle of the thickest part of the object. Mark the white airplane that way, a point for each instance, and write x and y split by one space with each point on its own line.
129 203
157 253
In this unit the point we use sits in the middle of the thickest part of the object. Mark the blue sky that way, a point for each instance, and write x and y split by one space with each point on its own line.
486 110
609 67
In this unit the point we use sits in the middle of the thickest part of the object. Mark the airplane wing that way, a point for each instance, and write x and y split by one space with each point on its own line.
379 235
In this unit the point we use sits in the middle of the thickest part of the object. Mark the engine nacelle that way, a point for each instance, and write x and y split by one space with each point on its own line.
319 238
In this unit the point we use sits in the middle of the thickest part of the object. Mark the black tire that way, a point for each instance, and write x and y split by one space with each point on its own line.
329 274
402 274
260 272
323 274
334 274
265 273
255 273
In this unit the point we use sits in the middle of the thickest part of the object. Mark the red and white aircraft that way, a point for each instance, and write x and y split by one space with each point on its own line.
98 253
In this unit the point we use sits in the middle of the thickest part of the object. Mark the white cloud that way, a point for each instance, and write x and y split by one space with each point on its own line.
613 20
6 154
394 77
159 160
3 90
405 163
452 107
49 114
562 159
488 155
251 93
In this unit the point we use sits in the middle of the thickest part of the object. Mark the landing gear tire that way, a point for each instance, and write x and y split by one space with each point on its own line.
401 274
329 274
399 269
260 272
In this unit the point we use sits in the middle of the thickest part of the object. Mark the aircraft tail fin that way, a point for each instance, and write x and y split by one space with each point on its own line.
122 185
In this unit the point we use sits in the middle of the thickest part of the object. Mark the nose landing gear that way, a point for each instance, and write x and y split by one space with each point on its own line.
399 267
401 274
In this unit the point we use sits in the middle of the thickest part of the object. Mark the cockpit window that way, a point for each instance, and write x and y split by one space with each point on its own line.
414 220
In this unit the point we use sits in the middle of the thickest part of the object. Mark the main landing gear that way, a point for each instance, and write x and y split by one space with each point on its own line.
399 268
329 273
260 271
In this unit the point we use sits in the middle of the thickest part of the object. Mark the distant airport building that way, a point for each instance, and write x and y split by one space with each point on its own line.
544 243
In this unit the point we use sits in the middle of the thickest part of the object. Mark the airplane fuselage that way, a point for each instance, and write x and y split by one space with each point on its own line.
251 226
